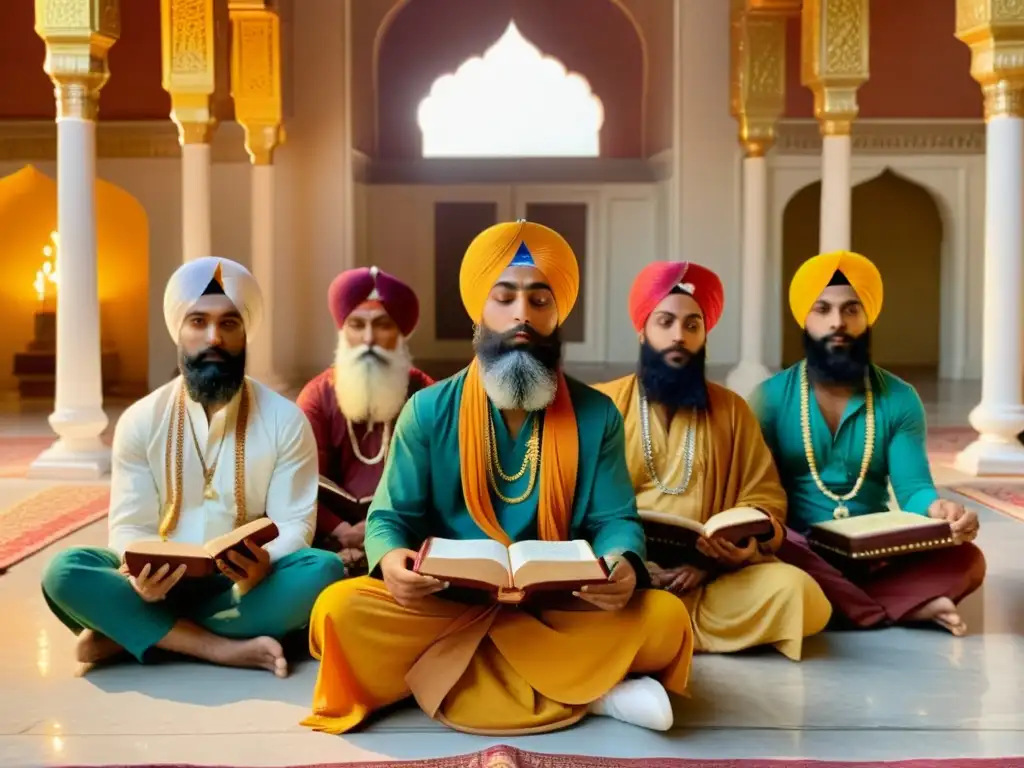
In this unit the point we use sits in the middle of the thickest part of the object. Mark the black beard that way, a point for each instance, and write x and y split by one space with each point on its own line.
674 386
841 365
212 382
490 346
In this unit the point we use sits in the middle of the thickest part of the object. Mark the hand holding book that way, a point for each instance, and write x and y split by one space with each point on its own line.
615 594
406 585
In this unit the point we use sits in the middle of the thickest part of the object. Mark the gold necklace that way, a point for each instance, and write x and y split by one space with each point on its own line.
530 461
209 492
176 429
841 511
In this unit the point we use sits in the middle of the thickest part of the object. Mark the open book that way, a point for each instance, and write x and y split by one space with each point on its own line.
510 574
881 535
672 540
326 484
199 559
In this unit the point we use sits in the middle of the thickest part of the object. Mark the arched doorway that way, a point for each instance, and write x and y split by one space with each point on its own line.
898 225
28 218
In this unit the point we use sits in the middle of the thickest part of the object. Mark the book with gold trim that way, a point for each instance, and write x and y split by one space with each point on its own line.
881 535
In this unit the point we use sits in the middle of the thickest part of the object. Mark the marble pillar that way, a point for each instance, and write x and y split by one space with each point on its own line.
834 64
78 36
999 417
758 85
189 50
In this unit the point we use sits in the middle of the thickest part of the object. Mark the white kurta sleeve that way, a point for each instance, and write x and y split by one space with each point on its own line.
134 497
292 493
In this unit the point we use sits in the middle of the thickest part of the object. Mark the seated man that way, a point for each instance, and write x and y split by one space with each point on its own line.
509 449
853 429
193 460
353 405
694 449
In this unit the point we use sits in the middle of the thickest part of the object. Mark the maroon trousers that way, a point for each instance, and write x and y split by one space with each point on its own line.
869 596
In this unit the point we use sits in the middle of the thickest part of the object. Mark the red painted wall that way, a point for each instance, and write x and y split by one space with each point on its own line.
918 68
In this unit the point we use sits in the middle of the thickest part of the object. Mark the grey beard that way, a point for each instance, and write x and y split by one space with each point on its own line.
519 381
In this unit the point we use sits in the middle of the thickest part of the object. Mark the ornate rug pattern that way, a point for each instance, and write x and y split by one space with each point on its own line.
509 757
1008 499
48 516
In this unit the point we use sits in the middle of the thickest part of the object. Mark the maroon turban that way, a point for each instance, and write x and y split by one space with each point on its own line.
658 279
356 286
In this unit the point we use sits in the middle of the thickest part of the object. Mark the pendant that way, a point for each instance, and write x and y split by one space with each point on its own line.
841 512
208 492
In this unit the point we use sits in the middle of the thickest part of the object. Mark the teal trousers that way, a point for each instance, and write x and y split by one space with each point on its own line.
85 590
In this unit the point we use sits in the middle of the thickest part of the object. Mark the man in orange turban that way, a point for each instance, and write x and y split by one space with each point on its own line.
508 450
695 451
842 430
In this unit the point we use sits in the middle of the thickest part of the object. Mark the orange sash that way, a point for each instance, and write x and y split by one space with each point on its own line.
559 461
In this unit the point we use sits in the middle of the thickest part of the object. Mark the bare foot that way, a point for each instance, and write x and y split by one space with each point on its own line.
258 653
92 647
943 612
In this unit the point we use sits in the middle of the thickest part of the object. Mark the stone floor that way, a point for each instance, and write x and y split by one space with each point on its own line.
891 694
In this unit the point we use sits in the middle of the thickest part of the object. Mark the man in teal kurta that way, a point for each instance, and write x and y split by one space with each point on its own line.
836 298
509 449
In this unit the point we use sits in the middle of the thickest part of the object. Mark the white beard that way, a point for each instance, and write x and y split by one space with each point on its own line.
368 390
518 381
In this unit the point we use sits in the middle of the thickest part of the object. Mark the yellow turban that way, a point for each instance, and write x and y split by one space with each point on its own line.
815 274
519 243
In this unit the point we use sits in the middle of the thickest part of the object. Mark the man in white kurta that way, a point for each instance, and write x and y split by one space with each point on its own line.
205 453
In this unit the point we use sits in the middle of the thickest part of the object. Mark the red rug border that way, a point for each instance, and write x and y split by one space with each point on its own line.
505 756
19 549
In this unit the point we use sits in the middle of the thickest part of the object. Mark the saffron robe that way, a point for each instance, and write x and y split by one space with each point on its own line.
879 595
336 458
760 603
493 670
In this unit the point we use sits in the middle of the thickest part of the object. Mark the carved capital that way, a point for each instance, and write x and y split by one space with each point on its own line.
188 46
758 77
834 59
78 36
256 76
994 31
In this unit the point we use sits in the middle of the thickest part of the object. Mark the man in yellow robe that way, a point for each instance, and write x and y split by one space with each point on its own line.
510 449
695 449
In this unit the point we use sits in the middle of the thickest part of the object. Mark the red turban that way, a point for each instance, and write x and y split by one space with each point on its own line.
657 280
355 286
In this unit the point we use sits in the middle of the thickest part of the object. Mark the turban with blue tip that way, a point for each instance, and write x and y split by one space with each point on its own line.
513 244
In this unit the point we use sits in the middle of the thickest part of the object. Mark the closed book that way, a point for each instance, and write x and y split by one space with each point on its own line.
199 559
881 535
484 570
672 540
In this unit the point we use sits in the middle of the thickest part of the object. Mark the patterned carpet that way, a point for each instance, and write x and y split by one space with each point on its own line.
509 757
48 516
1008 499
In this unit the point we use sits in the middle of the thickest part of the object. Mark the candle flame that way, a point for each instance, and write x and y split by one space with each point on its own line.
47 275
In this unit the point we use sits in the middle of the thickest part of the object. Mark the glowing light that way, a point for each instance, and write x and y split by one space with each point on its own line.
43 653
46 276
511 102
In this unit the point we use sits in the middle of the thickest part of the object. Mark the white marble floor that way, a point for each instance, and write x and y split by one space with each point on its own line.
884 695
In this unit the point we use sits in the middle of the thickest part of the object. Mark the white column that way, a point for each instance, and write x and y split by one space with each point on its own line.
751 370
836 199
999 417
78 417
197 229
261 347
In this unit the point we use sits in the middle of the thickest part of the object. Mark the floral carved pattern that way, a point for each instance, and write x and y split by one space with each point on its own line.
258 64
68 13
1008 10
190 20
845 33
767 56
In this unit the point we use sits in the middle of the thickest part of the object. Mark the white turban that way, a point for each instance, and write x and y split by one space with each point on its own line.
190 281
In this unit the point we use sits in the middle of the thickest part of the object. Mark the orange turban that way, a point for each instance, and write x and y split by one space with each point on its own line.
519 243
814 275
